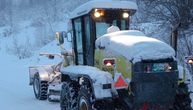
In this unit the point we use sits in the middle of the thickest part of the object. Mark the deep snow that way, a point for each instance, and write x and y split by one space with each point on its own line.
15 92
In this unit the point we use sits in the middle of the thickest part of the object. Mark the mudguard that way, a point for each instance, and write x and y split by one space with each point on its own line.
42 71
100 81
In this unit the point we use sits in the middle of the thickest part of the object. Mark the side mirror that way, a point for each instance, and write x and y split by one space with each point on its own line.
69 37
60 37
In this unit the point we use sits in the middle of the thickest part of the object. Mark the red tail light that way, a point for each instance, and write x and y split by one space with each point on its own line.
109 62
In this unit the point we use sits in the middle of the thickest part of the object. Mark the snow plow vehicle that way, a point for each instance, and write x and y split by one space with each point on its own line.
115 68
46 79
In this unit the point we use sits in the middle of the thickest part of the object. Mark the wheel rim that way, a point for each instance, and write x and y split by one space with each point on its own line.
36 86
83 104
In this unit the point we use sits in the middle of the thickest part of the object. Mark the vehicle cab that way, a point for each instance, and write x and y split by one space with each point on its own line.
91 20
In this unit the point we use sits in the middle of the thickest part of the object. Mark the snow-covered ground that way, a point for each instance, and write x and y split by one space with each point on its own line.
15 92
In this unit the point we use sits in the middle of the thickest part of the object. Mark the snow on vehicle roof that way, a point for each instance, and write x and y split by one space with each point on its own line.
94 73
135 46
109 4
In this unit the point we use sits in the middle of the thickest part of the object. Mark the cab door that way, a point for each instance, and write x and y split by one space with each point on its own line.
88 41
78 41
83 41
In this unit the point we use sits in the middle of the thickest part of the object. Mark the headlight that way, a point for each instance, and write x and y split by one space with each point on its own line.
98 13
125 15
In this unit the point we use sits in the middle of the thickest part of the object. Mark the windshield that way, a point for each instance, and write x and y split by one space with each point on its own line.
105 18
101 27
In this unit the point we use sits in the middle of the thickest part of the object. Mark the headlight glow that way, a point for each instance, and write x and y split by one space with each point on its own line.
190 61
125 15
97 14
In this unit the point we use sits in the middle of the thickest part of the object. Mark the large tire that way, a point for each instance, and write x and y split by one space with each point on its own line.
40 88
84 99
85 103
182 99
68 97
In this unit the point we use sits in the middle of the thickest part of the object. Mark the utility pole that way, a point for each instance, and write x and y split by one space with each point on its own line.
174 37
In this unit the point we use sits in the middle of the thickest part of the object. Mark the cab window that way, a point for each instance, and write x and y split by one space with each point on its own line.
78 41
102 26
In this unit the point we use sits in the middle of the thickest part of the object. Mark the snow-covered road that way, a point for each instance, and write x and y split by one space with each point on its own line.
15 92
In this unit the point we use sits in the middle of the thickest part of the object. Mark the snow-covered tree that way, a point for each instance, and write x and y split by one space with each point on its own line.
175 14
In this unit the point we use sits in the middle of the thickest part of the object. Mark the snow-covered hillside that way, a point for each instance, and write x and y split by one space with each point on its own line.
26 39
28 25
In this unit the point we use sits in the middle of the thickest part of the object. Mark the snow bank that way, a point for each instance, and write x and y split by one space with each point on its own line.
135 46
